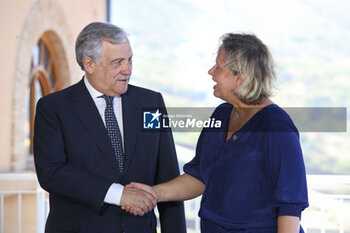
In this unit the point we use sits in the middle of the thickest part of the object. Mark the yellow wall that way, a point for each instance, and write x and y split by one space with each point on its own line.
29 19
14 25
12 18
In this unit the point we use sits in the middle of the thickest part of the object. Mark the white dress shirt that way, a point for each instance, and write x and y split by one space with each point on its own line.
115 191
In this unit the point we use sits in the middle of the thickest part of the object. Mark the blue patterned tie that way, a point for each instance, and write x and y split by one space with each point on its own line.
114 131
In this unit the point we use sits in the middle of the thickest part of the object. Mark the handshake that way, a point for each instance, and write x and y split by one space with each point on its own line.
138 199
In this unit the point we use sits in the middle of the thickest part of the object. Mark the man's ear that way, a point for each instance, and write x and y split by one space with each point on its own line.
89 64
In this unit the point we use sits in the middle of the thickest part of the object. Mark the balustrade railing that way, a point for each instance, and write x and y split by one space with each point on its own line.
8 189
329 210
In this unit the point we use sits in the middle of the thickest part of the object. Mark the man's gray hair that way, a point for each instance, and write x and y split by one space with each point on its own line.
89 41
248 55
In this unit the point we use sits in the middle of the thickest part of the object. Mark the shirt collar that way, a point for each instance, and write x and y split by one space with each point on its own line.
93 92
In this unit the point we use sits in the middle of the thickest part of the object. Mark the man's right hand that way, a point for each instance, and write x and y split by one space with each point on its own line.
137 201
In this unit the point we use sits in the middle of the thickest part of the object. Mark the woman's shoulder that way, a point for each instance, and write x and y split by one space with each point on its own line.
278 120
222 109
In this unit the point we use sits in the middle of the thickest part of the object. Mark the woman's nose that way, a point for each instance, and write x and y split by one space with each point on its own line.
211 71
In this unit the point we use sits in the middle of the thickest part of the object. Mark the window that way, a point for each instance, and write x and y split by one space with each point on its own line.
44 79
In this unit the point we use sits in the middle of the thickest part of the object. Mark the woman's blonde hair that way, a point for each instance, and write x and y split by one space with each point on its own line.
249 56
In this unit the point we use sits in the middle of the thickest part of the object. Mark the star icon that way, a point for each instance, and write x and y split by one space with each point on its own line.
155 115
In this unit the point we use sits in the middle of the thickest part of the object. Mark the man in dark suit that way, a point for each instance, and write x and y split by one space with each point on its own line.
89 143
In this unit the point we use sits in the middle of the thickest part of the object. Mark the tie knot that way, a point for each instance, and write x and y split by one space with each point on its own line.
108 99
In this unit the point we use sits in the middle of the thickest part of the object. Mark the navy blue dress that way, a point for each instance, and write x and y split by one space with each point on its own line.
252 178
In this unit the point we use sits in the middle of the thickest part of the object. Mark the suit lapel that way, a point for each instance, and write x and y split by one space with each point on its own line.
131 122
86 110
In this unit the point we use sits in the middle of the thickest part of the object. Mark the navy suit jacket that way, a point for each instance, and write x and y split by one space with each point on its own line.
75 162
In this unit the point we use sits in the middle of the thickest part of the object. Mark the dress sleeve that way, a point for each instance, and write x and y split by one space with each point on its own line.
287 170
193 167
208 144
